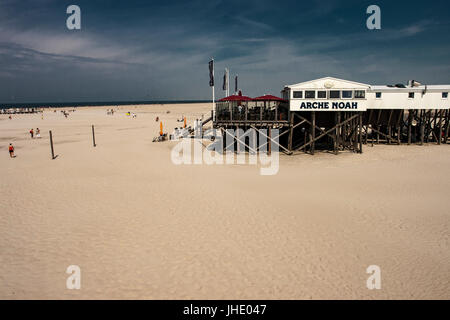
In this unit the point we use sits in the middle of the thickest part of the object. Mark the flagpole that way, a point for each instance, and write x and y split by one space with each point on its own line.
213 92
228 83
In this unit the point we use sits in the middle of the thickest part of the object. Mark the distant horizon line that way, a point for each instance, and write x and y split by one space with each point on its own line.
4 105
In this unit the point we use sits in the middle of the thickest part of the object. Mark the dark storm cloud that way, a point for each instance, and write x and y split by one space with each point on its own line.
143 50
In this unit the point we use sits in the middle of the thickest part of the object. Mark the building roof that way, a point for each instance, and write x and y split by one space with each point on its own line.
420 88
328 79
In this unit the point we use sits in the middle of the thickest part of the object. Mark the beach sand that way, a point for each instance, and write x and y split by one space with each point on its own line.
142 227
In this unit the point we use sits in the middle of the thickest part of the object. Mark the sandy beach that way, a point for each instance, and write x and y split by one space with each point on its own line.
141 227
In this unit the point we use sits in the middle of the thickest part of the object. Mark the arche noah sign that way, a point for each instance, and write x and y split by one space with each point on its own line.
328 106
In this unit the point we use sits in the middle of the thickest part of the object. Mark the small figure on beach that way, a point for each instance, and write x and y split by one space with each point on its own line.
10 118
157 119
32 133
38 133
11 151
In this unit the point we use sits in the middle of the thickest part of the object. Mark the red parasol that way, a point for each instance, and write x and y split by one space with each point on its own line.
236 98
268 97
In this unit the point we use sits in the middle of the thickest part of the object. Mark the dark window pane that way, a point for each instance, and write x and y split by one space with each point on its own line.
445 95
310 94
298 94
321 94
378 95
411 95
334 94
347 94
360 94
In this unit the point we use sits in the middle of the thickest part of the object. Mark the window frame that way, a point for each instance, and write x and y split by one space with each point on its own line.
309 91
326 94
293 94
346 98
363 91
329 94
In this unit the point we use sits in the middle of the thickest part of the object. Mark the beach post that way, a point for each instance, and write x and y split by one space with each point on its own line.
93 136
51 144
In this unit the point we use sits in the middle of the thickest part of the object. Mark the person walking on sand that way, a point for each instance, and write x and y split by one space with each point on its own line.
11 151
38 133
32 133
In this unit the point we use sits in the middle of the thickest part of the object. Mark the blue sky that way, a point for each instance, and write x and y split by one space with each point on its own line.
159 50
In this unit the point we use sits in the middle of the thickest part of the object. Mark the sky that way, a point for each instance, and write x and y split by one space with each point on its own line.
138 50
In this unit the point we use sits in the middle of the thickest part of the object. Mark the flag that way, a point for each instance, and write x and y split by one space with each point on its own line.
225 80
235 83
211 73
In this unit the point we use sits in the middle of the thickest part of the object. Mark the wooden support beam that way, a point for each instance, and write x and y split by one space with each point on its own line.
383 134
422 126
378 125
410 119
447 125
440 127
273 139
325 133
313 131
291 131
360 132
336 121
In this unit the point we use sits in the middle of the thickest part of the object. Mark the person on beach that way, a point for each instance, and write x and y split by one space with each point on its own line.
32 133
11 151
38 133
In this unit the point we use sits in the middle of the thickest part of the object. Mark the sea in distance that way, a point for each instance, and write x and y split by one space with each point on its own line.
91 103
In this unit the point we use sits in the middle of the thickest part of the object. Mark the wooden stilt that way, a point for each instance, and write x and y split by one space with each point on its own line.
410 118
51 145
313 132
93 136
291 131
422 126
447 125
360 132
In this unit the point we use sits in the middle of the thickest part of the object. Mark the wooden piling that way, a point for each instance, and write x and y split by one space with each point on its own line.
360 132
313 131
93 136
447 125
291 130
51 144
410 118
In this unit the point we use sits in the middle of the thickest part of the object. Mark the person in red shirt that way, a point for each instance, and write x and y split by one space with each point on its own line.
32 133
11 151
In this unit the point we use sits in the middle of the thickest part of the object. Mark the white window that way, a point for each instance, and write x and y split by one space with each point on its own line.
444 95
411 95
347 94
378 95
321 94
298 94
